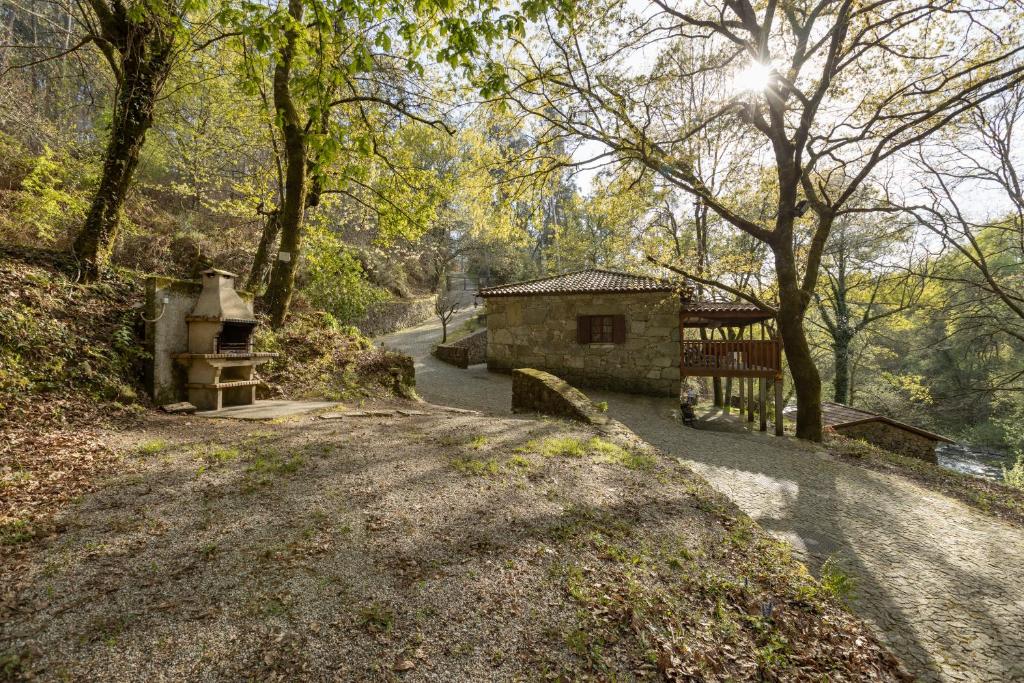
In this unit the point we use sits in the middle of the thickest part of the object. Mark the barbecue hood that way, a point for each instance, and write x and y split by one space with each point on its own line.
219 301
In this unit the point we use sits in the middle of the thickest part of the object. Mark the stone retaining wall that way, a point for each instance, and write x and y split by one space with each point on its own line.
395 314
892 438
535 391
540 332
469 350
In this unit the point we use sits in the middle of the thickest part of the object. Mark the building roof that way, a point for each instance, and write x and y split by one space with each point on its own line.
839 415
588 281
721 307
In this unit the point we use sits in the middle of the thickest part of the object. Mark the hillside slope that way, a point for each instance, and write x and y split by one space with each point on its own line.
71 364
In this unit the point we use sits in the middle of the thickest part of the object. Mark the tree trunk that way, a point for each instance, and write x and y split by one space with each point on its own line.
258 272
841 355
282 277
806 380
133 116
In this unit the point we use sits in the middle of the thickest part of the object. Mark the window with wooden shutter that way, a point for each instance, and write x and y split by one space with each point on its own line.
583 329
601 329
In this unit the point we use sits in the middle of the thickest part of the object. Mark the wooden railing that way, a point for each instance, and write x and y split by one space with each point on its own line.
740 358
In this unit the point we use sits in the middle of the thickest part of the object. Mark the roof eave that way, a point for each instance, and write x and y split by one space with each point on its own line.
895 423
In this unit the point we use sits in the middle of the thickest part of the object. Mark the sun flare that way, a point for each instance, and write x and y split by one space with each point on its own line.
755 77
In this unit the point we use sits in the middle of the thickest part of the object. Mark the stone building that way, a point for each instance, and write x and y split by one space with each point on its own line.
592 328
881 431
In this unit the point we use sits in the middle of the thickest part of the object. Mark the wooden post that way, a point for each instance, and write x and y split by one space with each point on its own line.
740 381
778 406
727 399
762 406
750 399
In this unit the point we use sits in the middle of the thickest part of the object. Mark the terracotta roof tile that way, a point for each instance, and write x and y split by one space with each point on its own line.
589 281
838 415
720 307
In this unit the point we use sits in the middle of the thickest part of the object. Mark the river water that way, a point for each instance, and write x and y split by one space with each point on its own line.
976 461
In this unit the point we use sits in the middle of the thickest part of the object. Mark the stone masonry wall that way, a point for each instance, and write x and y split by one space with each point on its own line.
541 392
469 350
892 438
540 332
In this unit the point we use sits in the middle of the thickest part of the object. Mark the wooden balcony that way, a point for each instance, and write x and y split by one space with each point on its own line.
740 358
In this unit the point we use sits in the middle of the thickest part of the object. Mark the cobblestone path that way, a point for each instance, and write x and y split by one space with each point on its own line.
942 583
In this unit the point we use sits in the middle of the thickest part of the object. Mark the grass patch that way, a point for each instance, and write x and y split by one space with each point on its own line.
265 468
153 446
478 442
15 531
607 451
518 462
376 618
556 446
221 454
15 478
476 467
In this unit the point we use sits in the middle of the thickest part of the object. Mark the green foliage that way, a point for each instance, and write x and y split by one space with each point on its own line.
835 582
1014 476
56 337
336 281
53 200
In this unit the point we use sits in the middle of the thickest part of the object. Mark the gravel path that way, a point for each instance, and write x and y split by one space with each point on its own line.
942 583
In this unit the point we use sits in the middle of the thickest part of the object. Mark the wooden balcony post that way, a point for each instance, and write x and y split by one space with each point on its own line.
750 399
778 406
762 403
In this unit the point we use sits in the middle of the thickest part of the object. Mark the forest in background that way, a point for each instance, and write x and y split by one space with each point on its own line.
387 147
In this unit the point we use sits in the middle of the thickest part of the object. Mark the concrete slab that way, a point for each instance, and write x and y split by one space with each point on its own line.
341 416
269 410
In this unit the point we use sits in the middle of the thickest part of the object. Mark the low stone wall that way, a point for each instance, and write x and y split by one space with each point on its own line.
387 316
469 350
892 438
536 391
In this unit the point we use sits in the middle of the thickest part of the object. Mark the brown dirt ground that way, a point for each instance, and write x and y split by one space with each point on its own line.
441 547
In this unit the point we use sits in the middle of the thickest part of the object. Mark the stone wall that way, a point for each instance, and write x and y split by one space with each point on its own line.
892 438
470 350
540 332
534 391
394 314
167 333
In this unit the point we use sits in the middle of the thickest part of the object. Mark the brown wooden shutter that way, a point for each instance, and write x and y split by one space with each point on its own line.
618 329
583 329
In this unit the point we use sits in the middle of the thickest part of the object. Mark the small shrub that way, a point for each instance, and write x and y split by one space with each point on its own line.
1015 475
835 581
602 406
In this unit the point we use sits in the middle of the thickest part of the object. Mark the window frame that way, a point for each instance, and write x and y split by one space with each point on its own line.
603 328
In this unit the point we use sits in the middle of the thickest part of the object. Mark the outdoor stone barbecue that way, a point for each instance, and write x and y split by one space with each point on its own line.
206 354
